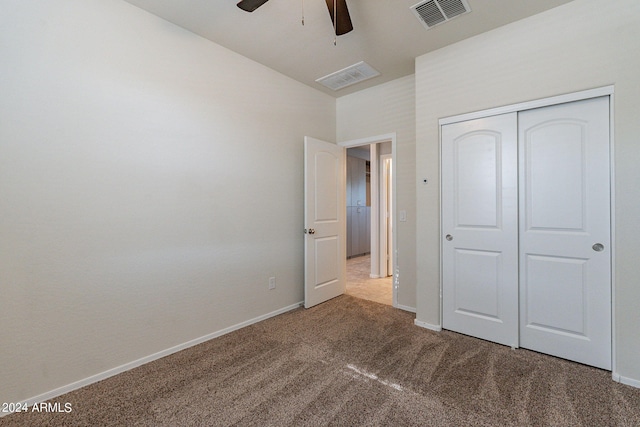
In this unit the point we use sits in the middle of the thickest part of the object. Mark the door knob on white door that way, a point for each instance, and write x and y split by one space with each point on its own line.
312 231
598 247
449 237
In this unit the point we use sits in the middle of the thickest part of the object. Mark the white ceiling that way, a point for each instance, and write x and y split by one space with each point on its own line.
386 35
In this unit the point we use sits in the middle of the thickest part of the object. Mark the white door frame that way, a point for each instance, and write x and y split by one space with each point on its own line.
545 102
385 210
375 213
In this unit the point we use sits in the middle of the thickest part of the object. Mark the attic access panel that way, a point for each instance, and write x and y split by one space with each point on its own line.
353 74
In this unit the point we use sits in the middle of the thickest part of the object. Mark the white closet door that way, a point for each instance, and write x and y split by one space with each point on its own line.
565 250
480 228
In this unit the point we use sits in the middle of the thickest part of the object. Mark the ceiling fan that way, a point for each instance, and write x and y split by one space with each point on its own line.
337 9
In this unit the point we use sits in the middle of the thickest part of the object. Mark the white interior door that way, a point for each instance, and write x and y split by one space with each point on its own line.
565 250
480 228
325 221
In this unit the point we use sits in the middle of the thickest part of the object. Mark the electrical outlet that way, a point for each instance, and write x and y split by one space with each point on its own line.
272 282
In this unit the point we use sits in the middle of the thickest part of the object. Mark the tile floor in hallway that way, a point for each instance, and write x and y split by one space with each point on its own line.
360 285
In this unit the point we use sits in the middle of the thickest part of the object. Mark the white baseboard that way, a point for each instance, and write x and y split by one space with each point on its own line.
426 325
406 308
134 364
624 380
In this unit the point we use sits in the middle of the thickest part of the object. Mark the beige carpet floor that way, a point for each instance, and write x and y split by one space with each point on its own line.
349 362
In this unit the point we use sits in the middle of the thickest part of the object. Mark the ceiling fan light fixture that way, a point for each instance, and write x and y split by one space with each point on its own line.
250 5
339 16
351 75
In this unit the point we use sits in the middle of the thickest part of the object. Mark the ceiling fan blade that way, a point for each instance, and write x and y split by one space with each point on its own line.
251 5
343 24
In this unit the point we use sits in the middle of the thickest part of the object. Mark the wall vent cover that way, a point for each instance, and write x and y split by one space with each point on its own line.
353 74
435 12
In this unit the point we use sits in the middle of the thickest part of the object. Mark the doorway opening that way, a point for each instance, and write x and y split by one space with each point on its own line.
370 255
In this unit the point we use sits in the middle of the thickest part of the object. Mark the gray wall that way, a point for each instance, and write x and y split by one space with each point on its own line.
138 164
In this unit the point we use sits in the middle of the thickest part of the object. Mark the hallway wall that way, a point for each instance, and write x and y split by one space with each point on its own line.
380 110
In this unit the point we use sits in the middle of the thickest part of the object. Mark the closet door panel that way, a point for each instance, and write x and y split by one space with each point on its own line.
477 284
565 273
551 282
555 176
350 251
367 229
480 228
477 180
355 231
362 230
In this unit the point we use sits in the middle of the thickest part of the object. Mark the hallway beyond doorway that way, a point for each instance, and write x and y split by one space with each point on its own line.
360 285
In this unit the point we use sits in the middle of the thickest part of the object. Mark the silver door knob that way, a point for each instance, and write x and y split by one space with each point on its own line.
598 247
312 231
449 237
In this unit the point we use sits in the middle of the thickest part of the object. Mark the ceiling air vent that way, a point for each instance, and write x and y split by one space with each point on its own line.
434 12
348 76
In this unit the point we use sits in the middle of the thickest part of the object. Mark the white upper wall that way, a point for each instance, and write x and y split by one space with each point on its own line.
380 110
150 184
581 45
